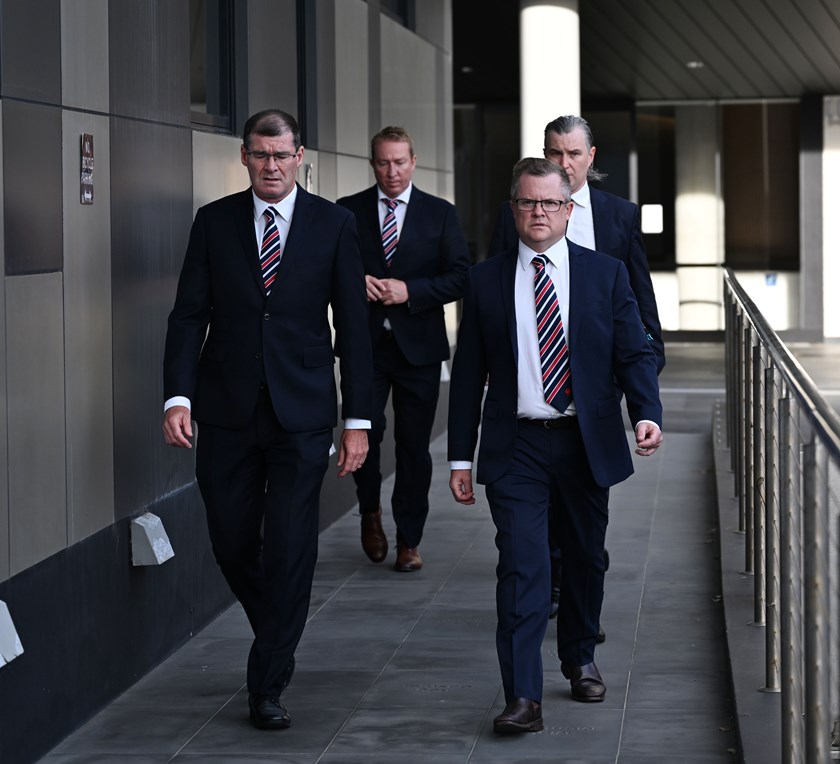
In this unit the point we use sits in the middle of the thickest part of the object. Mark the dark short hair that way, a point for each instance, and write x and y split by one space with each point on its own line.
539 168
391 133
271 123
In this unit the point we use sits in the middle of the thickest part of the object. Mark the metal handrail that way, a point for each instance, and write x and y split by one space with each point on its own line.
785 446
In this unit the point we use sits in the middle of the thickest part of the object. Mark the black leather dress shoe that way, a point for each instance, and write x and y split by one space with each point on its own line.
520 715
267 713
587 685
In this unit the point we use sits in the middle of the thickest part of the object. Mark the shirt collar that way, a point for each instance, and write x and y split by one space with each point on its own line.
285 207
403 197
555 254
581 196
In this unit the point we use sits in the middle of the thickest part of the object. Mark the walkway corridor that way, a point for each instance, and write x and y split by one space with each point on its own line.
398 667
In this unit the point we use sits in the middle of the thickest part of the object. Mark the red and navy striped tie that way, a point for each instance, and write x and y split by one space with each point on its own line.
389 231
269 250
554 352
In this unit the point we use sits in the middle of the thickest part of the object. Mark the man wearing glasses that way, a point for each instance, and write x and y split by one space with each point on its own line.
550 327
249 356
600 221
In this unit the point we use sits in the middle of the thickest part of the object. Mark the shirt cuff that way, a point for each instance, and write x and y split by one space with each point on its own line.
357 424
460 465
178 400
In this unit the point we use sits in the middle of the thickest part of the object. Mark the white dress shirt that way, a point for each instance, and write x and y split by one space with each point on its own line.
581 229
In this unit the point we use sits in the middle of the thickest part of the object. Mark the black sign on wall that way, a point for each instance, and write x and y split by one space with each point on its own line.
87 169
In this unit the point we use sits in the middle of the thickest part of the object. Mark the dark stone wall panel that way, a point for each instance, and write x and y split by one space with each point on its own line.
149 60
32 199
91 624
151 214
30 63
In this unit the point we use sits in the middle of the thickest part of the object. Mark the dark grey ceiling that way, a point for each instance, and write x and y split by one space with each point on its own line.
639 50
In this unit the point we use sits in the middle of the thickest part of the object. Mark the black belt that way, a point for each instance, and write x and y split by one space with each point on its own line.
560 423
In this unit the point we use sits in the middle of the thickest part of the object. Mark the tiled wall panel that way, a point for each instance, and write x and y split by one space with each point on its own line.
350 72
35 374
30 50
84 54
4 465
149 60
151 213
87 332
272 56
32 180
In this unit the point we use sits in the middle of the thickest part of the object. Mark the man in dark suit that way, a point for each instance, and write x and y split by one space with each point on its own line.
416 259
249 356
552 430
599 221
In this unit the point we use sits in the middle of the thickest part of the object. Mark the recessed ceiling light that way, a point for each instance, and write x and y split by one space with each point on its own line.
466 70
694 64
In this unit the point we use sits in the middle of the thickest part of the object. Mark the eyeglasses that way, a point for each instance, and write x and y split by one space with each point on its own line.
548 205
264 156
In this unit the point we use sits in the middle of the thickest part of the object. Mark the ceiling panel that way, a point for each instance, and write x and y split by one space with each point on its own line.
635 50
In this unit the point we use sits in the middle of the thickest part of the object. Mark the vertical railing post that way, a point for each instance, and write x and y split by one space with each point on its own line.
731 358
790 573
737 452
748 496
817 604
772 552
759 506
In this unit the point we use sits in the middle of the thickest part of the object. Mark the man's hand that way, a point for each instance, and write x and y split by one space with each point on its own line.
352 451
177 427
460 483
386 291
648 438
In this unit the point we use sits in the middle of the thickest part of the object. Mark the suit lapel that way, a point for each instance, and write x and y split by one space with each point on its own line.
577 278
507 279
244 225
296 241
411 223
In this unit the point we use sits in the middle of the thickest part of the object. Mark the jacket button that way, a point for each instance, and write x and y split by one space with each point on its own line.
266 316
259 356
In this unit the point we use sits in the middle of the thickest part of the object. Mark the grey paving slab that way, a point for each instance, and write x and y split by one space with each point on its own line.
402 667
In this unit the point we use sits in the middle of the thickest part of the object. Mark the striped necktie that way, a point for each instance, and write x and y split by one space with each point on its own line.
269 250
389 231
554 353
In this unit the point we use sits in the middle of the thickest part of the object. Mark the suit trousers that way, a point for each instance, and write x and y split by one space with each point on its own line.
549 478
261 487
415 391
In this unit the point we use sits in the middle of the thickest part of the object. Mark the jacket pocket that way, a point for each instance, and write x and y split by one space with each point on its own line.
318 356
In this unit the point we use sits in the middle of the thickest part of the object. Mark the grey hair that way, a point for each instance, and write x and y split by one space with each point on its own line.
567 124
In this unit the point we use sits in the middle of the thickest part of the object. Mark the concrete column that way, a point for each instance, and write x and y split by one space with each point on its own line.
549 67
699 219
830 220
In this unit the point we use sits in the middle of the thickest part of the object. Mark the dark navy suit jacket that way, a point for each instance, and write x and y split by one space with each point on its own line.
432 258
618 232
607 346
225 338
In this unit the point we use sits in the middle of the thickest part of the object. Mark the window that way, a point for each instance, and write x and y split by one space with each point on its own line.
211 79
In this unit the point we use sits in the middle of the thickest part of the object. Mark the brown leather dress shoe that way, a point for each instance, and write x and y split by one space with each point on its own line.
374 541
520 715
408 558
587 685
